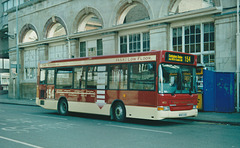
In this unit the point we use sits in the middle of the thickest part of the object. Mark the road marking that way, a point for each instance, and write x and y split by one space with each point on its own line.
20 142
141 129
45 116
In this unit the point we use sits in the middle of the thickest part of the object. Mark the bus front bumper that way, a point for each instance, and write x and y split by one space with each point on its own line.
177 114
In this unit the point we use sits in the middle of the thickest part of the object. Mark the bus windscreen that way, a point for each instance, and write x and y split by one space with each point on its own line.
177 79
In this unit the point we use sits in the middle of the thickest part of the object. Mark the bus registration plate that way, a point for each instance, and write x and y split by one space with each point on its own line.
183 115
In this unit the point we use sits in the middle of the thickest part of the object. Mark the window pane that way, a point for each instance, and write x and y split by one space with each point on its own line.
187 48
192 48
206 28
42 76
174 32
123 44
79 77
179 31
212 58
192 39
198 30
206 37
187 30
198 48
186 39
118 77
50 77
174 48
142 76
64 78
6 63
206 47
174 41
134 43
82 49
1 63
211 36
199 59
146 42
192 29
179 48
179 40
198 38
212 46
99 47
97 76
205 59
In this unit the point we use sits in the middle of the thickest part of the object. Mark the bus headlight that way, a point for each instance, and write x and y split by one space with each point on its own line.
163 108
195 106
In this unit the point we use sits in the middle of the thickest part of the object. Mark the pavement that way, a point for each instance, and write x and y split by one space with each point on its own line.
212 117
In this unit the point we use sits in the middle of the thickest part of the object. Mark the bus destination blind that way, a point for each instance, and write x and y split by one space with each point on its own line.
179 58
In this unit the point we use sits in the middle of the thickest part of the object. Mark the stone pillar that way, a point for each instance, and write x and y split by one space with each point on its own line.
225 43
158 37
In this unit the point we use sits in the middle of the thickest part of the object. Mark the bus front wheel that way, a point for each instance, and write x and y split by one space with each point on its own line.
119 112
63 107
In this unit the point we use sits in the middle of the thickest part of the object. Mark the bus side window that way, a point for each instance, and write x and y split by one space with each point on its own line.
64 78
50 76
118 76
92 77
42 76
142 76
97 77
79 77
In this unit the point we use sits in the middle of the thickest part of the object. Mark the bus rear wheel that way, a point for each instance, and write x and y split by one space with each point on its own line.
119 112
63 107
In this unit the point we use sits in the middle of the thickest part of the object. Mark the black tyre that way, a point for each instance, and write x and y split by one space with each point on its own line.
119 112
63 107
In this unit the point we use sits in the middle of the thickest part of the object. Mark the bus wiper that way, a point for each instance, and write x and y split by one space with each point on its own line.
191 86
190 91
174 92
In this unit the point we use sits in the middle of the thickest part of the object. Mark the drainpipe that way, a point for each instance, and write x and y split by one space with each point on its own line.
69 48
237 56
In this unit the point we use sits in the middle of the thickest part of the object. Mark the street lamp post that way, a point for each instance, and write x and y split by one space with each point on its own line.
237 55
17 50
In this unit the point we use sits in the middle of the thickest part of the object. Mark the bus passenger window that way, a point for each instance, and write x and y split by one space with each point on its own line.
50 77
42 76
118 76
64 78
79 77
97 77
92 77
142 76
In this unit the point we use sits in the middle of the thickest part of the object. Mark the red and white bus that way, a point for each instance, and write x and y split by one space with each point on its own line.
151 85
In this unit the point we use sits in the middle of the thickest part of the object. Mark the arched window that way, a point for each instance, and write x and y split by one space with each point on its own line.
28 34
56 30
132 12
88 19
90 22
188 5
55 27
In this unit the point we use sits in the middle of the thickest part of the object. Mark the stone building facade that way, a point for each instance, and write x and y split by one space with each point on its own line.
61 29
